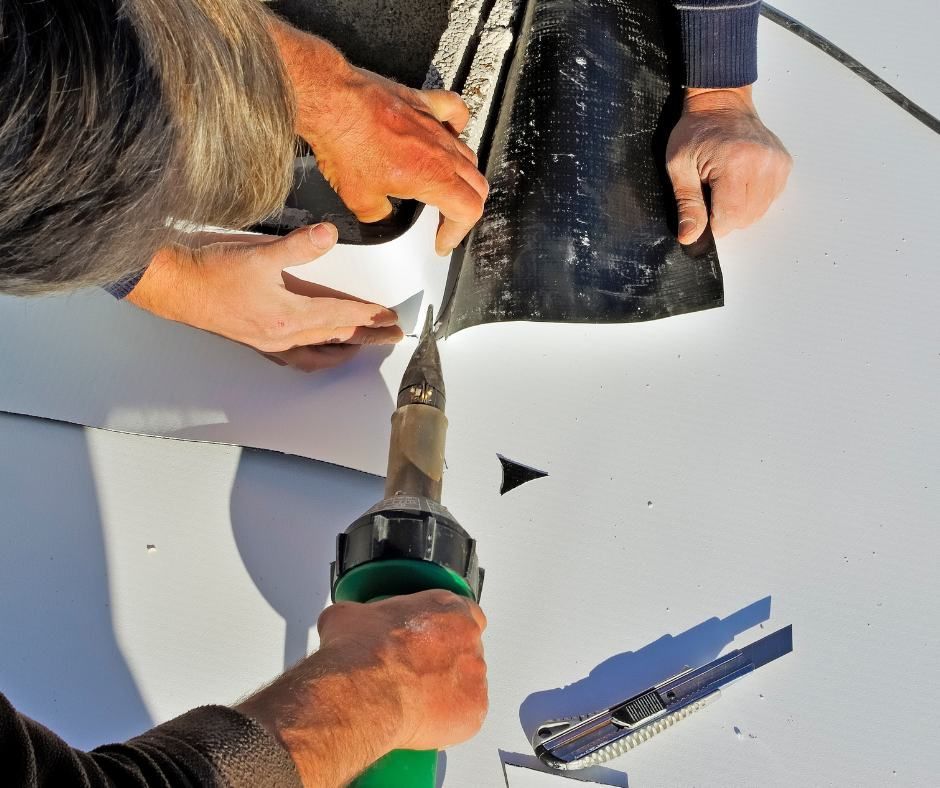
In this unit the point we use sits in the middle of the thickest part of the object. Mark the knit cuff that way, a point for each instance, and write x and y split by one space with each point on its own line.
719 42
239 752
123 288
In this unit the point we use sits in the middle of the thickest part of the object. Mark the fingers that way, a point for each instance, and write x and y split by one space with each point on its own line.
447 107
475 179
350 335
319 313
460 204
460 199
687 186
327 321
314 359
729 204
467 152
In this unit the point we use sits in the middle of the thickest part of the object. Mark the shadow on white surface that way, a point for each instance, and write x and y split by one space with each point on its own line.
624 675
60 662
286 513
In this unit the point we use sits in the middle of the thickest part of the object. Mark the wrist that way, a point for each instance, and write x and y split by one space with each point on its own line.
719 99
167 288
316 70
334 717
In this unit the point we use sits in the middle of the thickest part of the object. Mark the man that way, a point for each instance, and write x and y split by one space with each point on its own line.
116 122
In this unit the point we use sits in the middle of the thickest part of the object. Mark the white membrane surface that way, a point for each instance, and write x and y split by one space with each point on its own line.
712 477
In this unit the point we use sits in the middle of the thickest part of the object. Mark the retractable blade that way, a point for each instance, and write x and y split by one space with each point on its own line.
579 742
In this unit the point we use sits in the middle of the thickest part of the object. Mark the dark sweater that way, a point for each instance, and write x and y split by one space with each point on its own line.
719 42
209 747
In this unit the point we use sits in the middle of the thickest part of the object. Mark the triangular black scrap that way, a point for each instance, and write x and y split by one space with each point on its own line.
516 474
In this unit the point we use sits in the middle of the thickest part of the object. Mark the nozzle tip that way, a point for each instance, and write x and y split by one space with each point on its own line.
428 322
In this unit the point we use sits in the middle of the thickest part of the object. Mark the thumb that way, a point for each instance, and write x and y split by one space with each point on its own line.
693 213
300 246
447 107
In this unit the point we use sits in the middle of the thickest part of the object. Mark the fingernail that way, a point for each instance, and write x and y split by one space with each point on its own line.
688 220
322 236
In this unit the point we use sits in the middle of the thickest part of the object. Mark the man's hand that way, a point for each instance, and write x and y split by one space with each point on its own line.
375 139
238 289
722 143
404 673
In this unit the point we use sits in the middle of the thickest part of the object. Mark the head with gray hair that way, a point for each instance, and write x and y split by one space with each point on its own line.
119 119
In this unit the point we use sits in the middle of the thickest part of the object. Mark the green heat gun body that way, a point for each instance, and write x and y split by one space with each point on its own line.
409 542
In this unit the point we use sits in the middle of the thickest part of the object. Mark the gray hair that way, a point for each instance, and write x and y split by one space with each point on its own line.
121 116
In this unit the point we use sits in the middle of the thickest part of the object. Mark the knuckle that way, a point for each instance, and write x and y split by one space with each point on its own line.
331 614
675 164
468 205
474 212
454 98
739 158
366 205
688 198
465 150
441 598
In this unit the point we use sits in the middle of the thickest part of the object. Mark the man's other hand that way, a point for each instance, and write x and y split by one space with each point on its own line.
238 288
721 142
374 139
404 673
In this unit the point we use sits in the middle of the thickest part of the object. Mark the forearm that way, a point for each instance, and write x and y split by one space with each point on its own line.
347 704
315 68
719 42
207 747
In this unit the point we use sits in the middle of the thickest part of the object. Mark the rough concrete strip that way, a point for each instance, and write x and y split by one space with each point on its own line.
463 19
496 44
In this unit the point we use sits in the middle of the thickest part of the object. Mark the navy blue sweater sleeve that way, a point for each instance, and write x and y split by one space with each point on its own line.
209 747
719 42
123 288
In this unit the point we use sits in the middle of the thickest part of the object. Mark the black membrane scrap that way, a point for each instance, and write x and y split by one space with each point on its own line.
515 474
580 223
